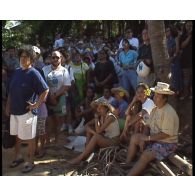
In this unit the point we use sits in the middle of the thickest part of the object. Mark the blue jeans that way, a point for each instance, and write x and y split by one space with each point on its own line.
119 84
129 79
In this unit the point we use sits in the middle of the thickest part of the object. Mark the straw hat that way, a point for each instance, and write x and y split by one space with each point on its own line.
162 88
99 102
120 89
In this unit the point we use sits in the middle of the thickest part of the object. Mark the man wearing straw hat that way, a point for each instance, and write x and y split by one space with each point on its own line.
163 126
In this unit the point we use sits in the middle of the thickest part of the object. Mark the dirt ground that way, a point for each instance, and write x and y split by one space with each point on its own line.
53 163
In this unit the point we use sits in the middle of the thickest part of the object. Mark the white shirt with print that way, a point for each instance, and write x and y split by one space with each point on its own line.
56 78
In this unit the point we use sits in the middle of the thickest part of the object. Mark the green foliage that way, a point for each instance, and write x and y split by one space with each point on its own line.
26 32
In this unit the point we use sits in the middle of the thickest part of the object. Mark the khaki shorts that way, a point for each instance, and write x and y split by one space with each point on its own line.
60 108
24 126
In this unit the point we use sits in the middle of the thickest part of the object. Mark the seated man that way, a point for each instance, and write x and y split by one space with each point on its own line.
107 96
163 124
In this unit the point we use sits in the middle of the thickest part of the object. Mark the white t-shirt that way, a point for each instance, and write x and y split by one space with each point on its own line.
59 43
133 41
148 105
56 78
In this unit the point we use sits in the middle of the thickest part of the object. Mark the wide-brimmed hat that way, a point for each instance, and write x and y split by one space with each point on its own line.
98 102
162 88
120 89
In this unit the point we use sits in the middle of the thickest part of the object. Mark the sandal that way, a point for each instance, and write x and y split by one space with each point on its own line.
27 168
17 162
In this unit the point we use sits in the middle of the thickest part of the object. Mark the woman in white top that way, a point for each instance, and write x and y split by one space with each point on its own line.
142 95
106 131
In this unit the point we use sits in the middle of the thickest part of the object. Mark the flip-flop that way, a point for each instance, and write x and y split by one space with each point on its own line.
17 162
27 168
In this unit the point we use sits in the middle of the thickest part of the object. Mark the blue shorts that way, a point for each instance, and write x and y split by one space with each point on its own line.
162 150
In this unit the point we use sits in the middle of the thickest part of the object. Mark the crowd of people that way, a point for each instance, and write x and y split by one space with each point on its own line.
103 89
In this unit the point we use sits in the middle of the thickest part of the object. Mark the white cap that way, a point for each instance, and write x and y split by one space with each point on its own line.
36 49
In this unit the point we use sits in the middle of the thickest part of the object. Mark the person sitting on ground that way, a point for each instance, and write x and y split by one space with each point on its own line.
120 104
142 95
106 131
107 95
163 126
84 112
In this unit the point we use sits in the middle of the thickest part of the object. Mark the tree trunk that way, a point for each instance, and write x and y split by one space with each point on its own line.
156 31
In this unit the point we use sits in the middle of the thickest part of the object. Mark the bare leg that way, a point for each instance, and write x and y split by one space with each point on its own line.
17 153
89 133
48 126
128 118
31 150
132 149
57 124
96 140
41 150
138 168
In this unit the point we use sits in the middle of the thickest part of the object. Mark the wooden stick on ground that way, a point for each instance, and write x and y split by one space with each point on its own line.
166 170
181 163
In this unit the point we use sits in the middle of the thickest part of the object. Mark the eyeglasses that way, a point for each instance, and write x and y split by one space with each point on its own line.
55 57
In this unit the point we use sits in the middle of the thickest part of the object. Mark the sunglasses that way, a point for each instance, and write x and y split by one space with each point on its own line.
55 57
